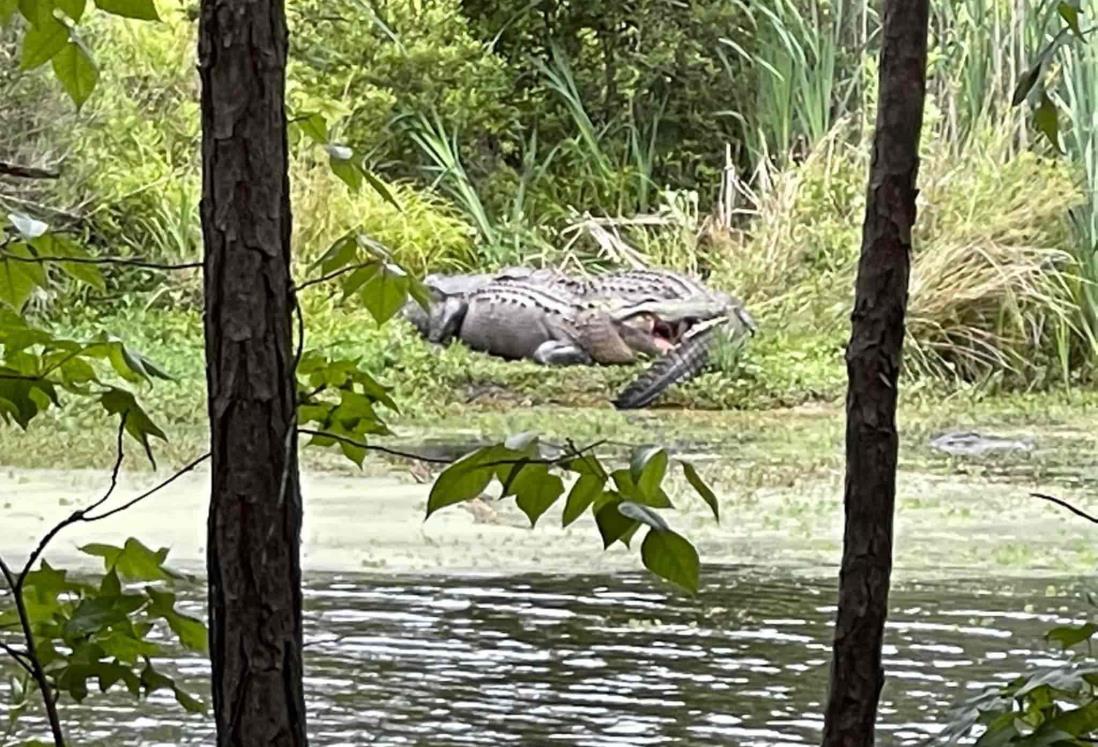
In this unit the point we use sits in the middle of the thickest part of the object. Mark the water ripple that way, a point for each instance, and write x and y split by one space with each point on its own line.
609 661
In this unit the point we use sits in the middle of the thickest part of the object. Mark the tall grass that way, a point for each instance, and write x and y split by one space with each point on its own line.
1079 92
801 84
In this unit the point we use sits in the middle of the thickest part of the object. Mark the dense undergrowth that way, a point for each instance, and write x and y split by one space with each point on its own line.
730 140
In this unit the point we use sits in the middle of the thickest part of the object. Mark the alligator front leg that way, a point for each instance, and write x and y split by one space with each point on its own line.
557 353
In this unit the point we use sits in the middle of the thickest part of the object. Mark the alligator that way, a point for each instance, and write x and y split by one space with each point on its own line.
516 320
450 294
553 318
449 297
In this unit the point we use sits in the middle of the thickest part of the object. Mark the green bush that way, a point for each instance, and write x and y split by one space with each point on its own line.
384 60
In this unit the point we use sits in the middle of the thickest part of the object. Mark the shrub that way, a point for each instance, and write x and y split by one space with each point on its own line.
424 233
392 58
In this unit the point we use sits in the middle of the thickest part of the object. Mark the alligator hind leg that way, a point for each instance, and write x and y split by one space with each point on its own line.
556 353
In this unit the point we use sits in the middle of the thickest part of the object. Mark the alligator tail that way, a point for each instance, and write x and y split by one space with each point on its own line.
679 364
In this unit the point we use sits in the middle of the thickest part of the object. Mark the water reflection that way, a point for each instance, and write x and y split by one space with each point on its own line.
615 660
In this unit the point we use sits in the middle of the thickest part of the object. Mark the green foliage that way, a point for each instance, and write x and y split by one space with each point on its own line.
36 365
340 399
796 58
365 269
534 472
397 57
105 629
1054 705
51 35
1008 317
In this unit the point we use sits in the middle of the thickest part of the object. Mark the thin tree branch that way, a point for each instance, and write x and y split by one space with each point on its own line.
334 274
571 453
20 657
151 491
119 261
78 515
37 673
29 660
27 172
374 447
1068 506
69 216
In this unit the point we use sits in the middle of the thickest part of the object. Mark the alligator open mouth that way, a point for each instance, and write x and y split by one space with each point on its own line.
667 335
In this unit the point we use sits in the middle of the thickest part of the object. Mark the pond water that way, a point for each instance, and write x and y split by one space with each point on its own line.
414 636
616 660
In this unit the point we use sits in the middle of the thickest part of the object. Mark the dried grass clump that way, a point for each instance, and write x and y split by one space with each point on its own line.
993 280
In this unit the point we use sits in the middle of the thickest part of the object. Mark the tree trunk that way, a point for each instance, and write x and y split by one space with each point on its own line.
873 364
254 526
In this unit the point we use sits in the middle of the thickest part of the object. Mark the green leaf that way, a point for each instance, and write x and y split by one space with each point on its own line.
28 227
74 9
56 245
584 492
342 252
1068 636
1047 121
670 556
465 479
143 10
41 43
643 514
1069 11
191 632
138 423
7 12
1074 723
125 647
315 126
1025 84
588 464
613 526
93 614
128 364
385 292
381 188
76 71
701 488
648 468
190 703
536 490
42 589
37 12
23 399
151 681
655 497
343 164
19 279
133 560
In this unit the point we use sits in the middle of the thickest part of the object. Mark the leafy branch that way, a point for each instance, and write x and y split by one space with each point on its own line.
1046 117
100 631
118 261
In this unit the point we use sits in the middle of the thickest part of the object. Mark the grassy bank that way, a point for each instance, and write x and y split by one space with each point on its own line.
456 395
1001 309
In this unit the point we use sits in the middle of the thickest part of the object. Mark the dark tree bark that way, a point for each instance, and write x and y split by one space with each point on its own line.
873 365
254 527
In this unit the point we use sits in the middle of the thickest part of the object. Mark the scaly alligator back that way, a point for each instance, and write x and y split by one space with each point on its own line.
632 284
